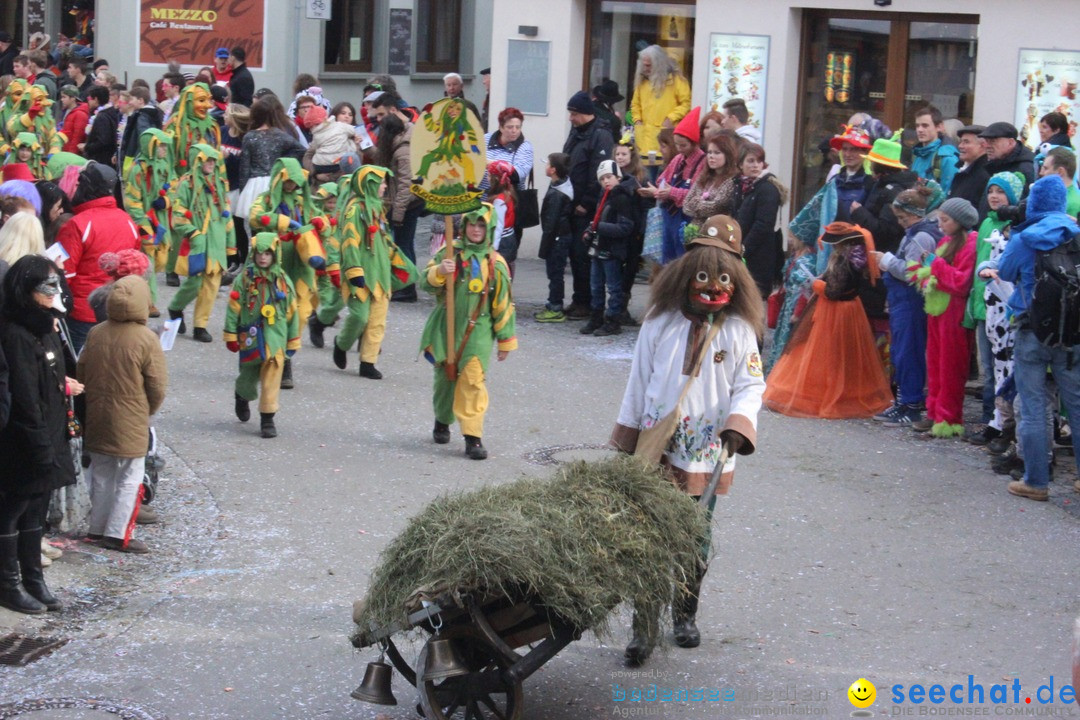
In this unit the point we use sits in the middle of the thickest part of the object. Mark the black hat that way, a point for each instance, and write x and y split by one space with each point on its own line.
485 71
5 36
971 130
607 92
999 130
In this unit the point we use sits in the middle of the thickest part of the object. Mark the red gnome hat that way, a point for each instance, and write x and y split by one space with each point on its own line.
690 126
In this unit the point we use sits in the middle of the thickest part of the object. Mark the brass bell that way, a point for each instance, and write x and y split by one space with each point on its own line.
376 686
443 661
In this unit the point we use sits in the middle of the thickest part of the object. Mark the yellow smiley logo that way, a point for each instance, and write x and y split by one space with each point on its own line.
862 693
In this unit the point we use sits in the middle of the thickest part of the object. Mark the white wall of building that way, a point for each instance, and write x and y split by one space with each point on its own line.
1003 29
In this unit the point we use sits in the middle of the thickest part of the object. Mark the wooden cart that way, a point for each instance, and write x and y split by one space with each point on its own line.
496 644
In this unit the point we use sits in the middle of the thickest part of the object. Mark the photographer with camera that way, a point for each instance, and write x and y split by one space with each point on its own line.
608 239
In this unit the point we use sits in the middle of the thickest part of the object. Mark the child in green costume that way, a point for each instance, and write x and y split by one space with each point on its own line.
483 316
33 114
201 217
287 209
328 282
263 327
373 267
147 199
25 148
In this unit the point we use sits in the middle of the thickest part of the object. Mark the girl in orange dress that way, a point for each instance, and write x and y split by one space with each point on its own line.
830 367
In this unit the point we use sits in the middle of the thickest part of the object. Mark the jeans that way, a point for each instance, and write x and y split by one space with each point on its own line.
579 259
556 271
606 272
986 362
1031 359
406 232
674 247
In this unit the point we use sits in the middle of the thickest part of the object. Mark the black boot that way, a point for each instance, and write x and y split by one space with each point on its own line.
201 335
178 315
172 279
684 614
641 645
286 375
243 408
266 425
474 450
315 331
596 321
12 594
33 579
441 433
341 359
610 327
368 370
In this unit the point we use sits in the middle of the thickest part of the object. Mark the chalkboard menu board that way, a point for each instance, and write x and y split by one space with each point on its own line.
35 17
400 41
527 76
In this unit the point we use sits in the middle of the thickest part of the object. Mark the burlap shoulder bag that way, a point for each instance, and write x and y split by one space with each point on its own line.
653 441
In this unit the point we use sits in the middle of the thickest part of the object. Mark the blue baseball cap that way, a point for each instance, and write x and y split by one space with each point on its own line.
222 53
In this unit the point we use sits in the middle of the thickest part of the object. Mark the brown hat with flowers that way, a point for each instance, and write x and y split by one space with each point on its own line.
721 231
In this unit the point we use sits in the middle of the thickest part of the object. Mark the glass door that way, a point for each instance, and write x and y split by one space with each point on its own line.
941 70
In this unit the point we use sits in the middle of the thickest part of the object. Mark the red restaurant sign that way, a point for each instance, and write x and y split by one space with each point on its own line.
191 30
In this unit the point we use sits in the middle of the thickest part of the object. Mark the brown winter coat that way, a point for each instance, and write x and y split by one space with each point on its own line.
399 196
125 374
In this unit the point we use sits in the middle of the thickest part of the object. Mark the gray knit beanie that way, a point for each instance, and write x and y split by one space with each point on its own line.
963 212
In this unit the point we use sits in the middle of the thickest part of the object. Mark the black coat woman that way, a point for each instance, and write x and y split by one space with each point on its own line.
34 443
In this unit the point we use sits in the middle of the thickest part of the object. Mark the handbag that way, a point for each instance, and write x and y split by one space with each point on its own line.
652 248
776 302
653 441
527 211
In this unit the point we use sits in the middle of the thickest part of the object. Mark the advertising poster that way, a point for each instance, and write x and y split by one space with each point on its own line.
1046 81
738 67
189 31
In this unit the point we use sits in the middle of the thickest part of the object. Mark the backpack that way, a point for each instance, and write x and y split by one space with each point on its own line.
1054 310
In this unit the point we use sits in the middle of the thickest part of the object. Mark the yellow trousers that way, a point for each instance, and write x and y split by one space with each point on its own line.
465 400
306 299
203 289
262 381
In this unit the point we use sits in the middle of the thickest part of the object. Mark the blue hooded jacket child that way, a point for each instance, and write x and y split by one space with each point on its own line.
1047 226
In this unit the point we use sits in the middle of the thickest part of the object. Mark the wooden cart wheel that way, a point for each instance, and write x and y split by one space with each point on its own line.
483 694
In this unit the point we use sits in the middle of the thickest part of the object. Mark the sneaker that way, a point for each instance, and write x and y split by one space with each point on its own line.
905 417
890 413
922 426
984 436
1022 489
550 316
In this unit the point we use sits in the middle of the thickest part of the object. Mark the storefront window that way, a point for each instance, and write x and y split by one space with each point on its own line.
619 30
347 45
438 35
886 64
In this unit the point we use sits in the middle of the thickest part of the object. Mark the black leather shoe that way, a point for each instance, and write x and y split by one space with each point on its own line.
201 335
178 315
315 331
266 425
243 409
368 370
286 375
474 450
172 279
441 433
340 358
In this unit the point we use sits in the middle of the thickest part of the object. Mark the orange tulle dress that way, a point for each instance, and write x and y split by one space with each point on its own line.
831 367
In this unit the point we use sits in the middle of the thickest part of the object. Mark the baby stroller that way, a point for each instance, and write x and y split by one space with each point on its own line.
153 467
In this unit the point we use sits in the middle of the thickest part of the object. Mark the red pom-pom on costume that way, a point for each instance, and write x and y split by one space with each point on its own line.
318 223
372 229
183 163
234 295
161 193
265 220
333 222
187 214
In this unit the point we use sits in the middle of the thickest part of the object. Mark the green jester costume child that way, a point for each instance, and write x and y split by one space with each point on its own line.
201 217
483 315
372 268
262 326
328 282
147 199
